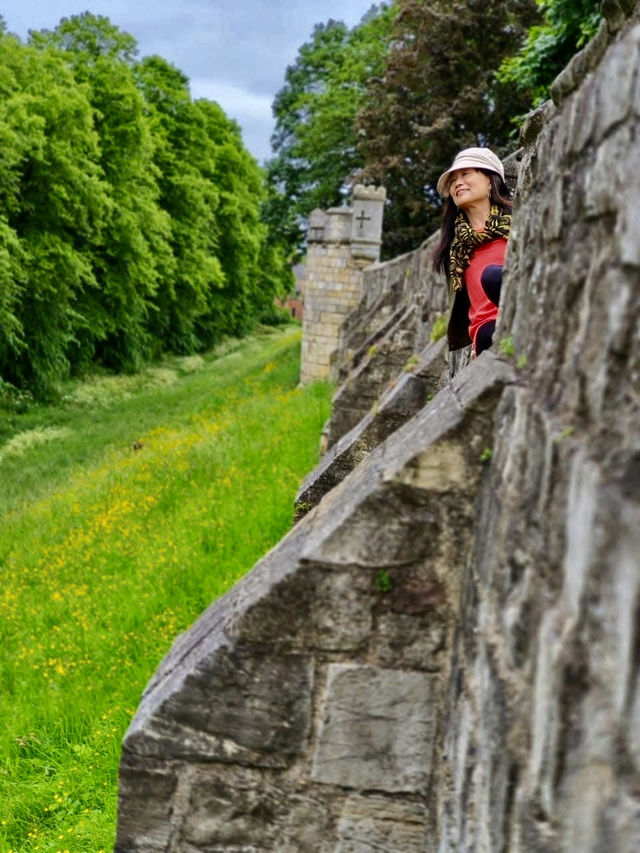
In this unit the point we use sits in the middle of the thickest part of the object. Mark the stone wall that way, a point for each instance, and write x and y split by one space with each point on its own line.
341 243
543 748
385 334
444 653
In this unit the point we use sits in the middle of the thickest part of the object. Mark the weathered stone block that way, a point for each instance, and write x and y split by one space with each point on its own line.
368 205
223 813
235 705
581 120
401 402
377 729
617 13
535 121
429 456
145 806
317 227
379 362
338 227
314 609
411 639
616 83
233 809
374 824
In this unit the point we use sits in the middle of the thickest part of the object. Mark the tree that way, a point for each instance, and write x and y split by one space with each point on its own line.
184 154
133 254
438 93
240 186
314 141
52 206
568 24
90 37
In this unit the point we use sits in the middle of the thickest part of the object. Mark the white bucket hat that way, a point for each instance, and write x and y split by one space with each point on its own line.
474 158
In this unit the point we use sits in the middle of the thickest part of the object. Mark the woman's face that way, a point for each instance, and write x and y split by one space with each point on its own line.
468 186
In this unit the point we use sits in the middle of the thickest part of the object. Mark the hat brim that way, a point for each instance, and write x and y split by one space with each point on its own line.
443 181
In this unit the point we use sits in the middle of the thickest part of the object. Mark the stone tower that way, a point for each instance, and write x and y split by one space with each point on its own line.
341 242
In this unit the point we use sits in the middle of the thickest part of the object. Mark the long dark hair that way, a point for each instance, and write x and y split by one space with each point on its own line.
500 196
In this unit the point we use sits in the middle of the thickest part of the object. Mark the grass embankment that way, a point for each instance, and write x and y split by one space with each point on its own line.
108 552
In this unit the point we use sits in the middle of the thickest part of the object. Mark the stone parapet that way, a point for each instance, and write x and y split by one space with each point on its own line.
310 694
417 384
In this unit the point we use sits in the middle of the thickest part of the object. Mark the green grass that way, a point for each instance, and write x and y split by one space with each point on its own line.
108 552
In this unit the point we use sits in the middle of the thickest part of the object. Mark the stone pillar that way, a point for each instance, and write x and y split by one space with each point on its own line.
366 227
341 242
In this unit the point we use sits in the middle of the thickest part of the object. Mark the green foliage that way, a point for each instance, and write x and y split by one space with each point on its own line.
507 346
275 316
129 215
13 399
12 279
240 234
185 157
383 581
91 37
439 329
486 455
567 432
568 25
411 362
108 553
51 210
315 143
133 253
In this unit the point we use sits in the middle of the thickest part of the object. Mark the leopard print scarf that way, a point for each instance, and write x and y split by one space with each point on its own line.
466 240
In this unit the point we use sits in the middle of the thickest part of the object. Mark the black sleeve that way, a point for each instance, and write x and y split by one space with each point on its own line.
491 281
458 329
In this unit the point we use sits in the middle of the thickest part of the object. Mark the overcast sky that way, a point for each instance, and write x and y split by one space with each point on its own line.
234 52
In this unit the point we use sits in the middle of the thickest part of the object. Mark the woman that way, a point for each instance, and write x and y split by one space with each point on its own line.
473 241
